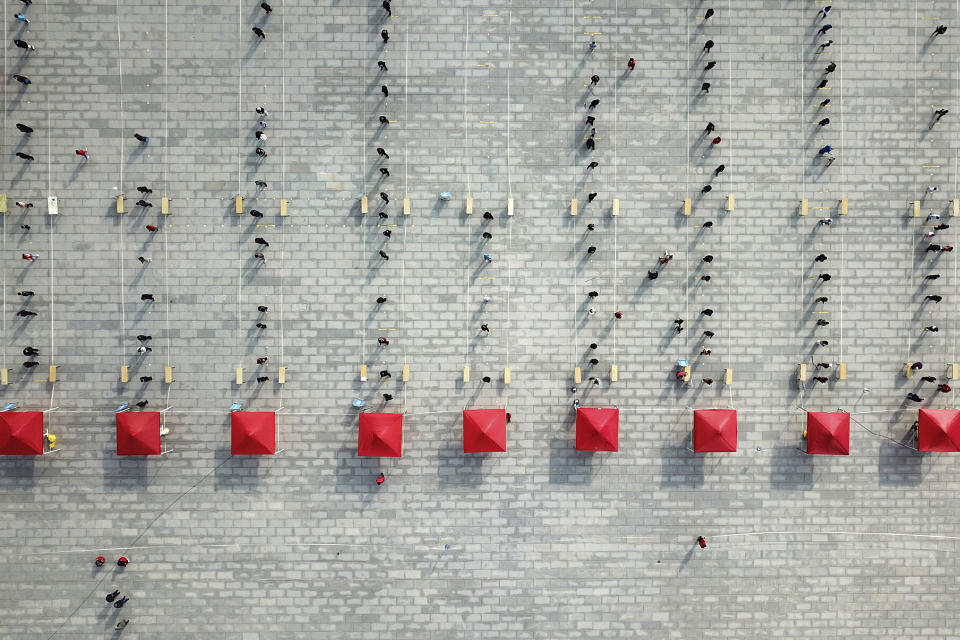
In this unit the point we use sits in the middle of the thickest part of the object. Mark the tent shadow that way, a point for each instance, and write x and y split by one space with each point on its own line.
124 473
235 473
18 473
459 469
357 474
899 466
680 466
791 469
567 465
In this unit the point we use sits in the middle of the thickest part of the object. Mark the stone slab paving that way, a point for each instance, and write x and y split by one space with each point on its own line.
486 101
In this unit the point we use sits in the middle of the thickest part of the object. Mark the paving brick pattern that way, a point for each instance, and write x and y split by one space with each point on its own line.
485 100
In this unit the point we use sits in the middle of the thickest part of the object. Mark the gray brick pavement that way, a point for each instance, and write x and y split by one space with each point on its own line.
486 101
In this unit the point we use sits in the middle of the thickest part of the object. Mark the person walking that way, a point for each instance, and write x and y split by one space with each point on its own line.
152 228
83 154
385 36
143 203
24 156
716 140
381 479
824 29
261 242
266 7
707 46
145 260
719 169
147 297
383 254
262 360
24 128
592 104
30 351
142 138
939 31
21 44
122 601
702 542
384 90
709 128
823 122
382 65
934 299
824 45
262 379
120 626
386 7
830 68
112 595
382 341
259 33
631 64
23 313
142 350
382 153
710 65
256 213
705 87
144 338
22 79
22 18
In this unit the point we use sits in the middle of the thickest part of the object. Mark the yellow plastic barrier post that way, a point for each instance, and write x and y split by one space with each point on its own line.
364 208
406 373
363 373
616 206
509 206
124 374
843 206
120 204
614 373
53 373
168 375
730 202
283 208
406 206
506 375
466 373
728 376
577 376
239 375
239 204
469 206
573 207
164 205
842 372
916 208
4 377
687 206
802 374
803 207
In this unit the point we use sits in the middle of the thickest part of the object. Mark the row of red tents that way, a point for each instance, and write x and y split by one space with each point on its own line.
484 430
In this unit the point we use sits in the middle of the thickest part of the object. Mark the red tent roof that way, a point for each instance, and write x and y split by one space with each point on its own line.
715 430
484 430
253 433
21 433
138 434
828 433
381 434
598 429
939 430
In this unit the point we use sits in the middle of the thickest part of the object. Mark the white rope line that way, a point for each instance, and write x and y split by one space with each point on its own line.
283 159
120 224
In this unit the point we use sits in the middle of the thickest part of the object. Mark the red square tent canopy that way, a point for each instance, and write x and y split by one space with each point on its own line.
21 433
138 434
714 430
253 433
938 430
381 434
828 433
484 430
598 429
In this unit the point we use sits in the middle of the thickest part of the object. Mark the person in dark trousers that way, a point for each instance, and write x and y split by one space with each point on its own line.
143 338
822 299
824 276
716 140
823 122
261 242
939 31
24 128
384 120
591 196
821 379
262 379
382 65
384 90
593 165
120 626
259 33
146 378
386 7
256 213
382 153
592 104
932 276
706 189
141 138
821 258
939 113
916 366
261 325
385 36
705 87
631 64
387 233
944 388
485 328
23 313
24 156
710 65
822 323
383 341
152 228
707 258
143 403
707 46
719 169
935 299
144 190
824 29
914 397
266 7
260 152
383 254
487 215
30 364
385 172
824 45
147 297
22 79
263 308
702 542
143 203
709 128
830 68
590 144
381 300
30 351
381 479
822 84
707 312
385 374
929 378
23 44
119 603
262 360
112 595
122 561
594 79
260 184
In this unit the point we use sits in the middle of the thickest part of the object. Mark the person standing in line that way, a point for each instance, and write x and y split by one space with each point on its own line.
259 33
631 64
939 31
83 154
24 128
24 156
707 46
385 36
266 7
381 479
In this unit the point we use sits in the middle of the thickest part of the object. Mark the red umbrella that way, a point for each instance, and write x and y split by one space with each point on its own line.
138 434
484 430
21 433
828 433
253 433
715 430
598 429
938 430
380 435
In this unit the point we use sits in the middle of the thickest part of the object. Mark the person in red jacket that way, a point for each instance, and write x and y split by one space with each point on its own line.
380 479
